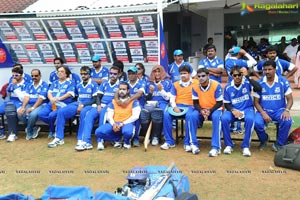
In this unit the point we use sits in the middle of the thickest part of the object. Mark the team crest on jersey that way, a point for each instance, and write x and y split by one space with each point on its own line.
263 90
244 90
232 94
89 90
277 90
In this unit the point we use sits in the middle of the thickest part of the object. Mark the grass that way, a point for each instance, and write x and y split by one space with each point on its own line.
30 167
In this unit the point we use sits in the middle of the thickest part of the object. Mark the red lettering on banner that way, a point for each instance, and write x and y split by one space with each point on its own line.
61 37
49 60
149 34
152 59
95 35
81 46
40 36
123 58
127 20
11 37
30 46
71 60
134 44
115 35
70 23
24 60
17 23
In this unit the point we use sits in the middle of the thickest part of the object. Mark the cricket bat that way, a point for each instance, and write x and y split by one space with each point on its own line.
147 136
157 185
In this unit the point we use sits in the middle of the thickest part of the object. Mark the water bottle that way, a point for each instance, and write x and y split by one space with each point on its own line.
54 106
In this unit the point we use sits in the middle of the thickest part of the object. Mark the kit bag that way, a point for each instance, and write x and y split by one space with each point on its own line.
187 196
68 193
288 157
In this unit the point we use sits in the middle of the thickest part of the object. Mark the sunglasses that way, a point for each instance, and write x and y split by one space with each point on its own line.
83 74
138 68
57 63
16 75
201 76
112 73
235 75
34 76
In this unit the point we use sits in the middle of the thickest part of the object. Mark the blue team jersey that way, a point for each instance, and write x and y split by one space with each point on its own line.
108 90
16 89
102 74
145 78
272 98
36 92
59 89
139 85
73 77
230 62
173 71
27 78
214 63
157 95
86 92
281 66
239 97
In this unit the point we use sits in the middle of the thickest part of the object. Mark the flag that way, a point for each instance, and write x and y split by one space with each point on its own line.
5 58
163 49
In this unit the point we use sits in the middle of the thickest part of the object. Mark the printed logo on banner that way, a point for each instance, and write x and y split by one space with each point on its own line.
151 44
74 30
17 23
21 54
66 46
40 36
147 27
119 45
152 58
92 35
47 54
7 31
149 34
152 51
45 47
37 30
110 21
49 60
123 58
134 44
77 36
90 29
145 19
30 46
33 54
26 37
58 30
96 45
81 45
33 24
83 52
115 35
11 37
17 47
70 23
113 28
127 20
136 52
21 30
54 23
121 51
99 52
131 34
71 60
85 59
137 58
69 54
4 24
129 27
24 60
36 60
87 22
61 36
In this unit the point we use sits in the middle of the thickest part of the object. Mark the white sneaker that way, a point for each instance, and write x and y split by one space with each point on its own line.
127 146
79 142
166 146
100 146
246 152
55 142
187 148
12 137
36 131
83 146
195 149
155 141
214 153
228 150
117 145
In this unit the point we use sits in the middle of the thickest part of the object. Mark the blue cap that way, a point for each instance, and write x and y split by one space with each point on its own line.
133 69
235 50
183 111
96 58
178 52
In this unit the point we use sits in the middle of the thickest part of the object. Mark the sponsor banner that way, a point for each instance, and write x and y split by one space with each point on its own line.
136 52
58 30
66 47
127 20
69 23
30 47
103 59
61 37
131 34
21 54
54 23
115 35
87 22
152 58
129 27
47 54
17 47
40 36
11 37
121 52
145 19
76 36
83 53
7 31
148 33
69 54
4 24
49 60
36 60
123 58
33 24
37 30
45 47
110 21
96 45
24 60
136 59
33 54
99 52
113 28
25 37
90 30
71 60
92 35
17 23
151 44
74 30
85 59
119 45
81 45
22 30
134 44
147 27
152 52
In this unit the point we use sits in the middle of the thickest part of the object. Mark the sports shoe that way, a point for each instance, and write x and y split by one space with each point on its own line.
155 141
100 146
28 137
127 146
246 152
187 148
83 146
88 146
55 142
166 146
263 145
276 147
117 145
79 142
2 136
12 137
195 149
228 150
136 143
214 153
36 131
51 135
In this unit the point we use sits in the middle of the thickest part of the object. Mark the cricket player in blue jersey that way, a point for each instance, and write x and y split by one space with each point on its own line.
27 78
273 103
214 64
60 94
99 73
239 106
282 66
35 98
173 68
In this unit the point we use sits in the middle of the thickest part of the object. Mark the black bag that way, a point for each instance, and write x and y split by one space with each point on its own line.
288 157
187 196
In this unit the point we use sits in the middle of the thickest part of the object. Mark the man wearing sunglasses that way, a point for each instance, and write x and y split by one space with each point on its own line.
35 96
208 101
239 106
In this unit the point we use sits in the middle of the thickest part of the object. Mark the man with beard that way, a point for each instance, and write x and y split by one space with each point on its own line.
120 119
273 103
239 106
35 96
99 73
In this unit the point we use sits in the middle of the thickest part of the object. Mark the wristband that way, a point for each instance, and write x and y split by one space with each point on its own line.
33 107
287 110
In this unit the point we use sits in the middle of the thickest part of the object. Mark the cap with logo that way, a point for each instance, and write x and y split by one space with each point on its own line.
178 52
133 69
96 58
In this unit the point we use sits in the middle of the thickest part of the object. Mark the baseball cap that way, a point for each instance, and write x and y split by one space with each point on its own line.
178 52
133 69
183 111
235 50
96 58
